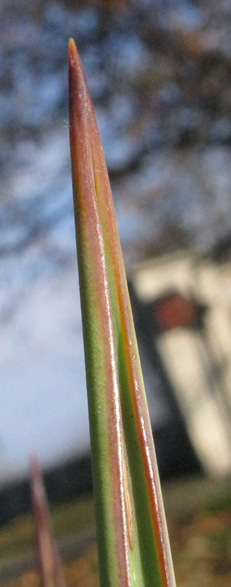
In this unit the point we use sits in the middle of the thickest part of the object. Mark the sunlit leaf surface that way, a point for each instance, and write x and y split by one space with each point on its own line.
132 535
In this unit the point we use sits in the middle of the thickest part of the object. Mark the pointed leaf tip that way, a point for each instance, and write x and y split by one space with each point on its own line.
72 48
71 43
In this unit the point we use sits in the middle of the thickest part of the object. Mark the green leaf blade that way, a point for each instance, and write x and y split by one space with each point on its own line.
132 533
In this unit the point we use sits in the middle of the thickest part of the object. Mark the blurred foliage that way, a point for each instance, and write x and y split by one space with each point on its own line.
200 533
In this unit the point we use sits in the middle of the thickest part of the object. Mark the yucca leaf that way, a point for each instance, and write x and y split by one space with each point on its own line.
132 534
49 559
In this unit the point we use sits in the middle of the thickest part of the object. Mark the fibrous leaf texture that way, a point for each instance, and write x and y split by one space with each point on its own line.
132 534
